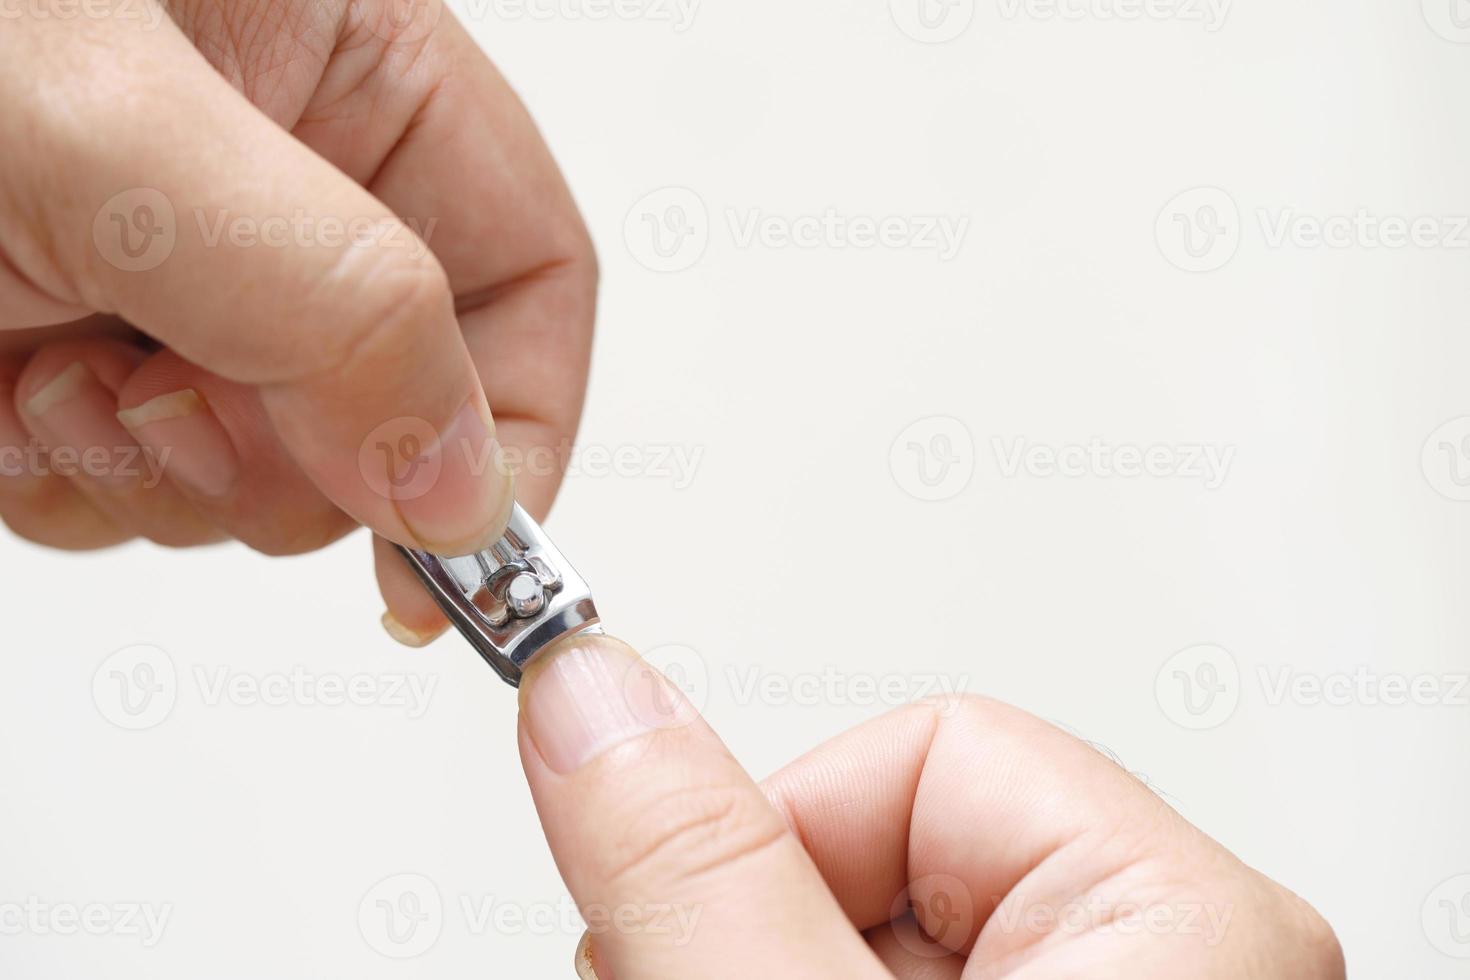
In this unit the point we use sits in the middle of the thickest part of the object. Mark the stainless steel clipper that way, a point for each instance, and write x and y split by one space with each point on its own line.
511 600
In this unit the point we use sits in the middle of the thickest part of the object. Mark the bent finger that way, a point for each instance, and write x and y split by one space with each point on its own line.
216 232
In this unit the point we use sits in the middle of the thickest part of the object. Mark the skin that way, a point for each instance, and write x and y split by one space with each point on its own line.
949 839
380 112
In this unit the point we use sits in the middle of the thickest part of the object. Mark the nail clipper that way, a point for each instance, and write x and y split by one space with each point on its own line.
511 600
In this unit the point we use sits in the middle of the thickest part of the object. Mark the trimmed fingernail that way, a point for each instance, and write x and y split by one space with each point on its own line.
469 504
180 431
588 964
589 697
20 474
75 413
407 636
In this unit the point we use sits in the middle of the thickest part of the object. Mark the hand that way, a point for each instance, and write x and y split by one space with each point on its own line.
947 839
280 246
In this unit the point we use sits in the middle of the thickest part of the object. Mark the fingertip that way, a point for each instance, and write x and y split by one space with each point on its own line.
407 635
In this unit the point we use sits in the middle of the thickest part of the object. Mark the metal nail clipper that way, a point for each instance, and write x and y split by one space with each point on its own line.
511 600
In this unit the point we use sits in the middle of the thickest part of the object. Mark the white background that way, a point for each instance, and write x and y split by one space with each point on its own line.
801 378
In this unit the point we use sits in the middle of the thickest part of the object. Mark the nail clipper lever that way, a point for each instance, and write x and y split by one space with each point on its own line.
511 600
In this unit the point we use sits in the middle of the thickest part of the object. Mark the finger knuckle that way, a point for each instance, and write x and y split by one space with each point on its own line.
1316 938
690 832
387 301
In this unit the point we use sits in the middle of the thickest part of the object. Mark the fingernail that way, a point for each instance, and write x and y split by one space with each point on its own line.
20 473
587 698
75 412
180 431
469 504
588 964
407 636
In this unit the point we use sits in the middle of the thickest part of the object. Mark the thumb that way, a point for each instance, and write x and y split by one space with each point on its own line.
679 865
